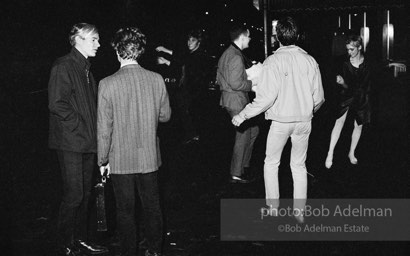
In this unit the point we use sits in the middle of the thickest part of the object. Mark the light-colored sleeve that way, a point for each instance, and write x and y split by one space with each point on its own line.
266 92
317 93
165 109
104 123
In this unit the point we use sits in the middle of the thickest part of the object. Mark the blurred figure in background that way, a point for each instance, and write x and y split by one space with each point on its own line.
193 83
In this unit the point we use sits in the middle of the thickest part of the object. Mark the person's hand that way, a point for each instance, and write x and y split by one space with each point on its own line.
162 60
237 120
160 49
105 168
339 79
254 88
163 49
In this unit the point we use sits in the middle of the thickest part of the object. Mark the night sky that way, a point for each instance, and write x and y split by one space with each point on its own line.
37 30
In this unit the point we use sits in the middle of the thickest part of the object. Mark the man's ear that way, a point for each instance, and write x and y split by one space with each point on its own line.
118 56
77 39
241 37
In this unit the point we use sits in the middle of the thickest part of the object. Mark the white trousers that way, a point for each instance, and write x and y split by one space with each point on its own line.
278 136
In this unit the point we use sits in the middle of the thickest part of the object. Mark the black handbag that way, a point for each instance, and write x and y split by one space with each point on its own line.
101 218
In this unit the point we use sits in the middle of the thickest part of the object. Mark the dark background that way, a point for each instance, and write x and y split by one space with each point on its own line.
193 178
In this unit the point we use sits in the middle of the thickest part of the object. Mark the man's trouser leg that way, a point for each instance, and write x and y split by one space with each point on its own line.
125 187
253 134
148 191
277 137
300 140
124 192
76 173
242 149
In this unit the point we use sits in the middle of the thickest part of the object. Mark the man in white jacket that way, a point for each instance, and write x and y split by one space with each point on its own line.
290 91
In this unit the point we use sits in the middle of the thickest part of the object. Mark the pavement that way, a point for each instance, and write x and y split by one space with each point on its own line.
194 178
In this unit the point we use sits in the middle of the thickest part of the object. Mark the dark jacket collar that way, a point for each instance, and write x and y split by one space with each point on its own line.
78 57
247 62
235 46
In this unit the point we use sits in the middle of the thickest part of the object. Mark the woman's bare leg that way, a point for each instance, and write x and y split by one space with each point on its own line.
357 132
334 137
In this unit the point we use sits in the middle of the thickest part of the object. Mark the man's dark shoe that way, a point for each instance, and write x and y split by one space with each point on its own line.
237 179
151 253
247 175
69 251
189 140
90 248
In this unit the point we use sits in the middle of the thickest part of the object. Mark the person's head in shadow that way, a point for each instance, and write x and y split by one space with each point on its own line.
194 39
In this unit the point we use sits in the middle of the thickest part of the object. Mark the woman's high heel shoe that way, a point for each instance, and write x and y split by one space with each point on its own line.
329 161
353 159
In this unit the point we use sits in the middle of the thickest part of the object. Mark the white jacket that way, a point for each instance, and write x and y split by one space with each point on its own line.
289 89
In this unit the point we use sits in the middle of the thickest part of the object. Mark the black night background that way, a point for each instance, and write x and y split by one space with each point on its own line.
194 177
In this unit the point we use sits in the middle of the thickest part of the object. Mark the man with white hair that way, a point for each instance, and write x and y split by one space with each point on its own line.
72 93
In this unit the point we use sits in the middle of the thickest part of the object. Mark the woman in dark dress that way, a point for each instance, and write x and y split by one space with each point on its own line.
353 81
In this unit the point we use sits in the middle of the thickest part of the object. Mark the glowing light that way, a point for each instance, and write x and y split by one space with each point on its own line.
274 23
256 4
388 37
206 13
365 33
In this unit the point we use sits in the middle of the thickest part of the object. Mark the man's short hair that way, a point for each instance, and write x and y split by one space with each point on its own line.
129 43
236 31
81 29
287 31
